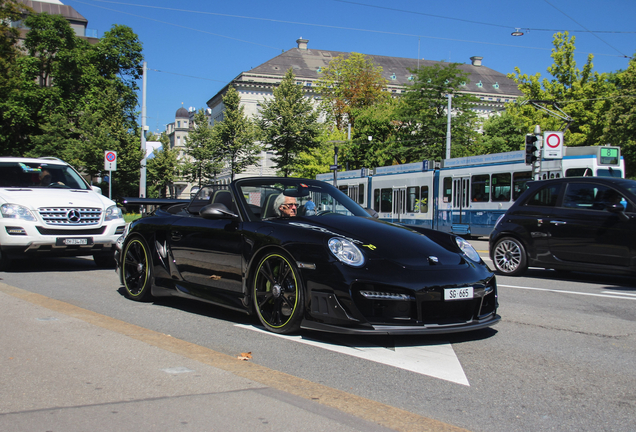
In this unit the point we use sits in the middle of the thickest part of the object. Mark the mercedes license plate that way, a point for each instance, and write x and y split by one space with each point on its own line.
458 293
75 241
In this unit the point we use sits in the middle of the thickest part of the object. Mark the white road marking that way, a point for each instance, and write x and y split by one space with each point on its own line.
436 360
622 296
619 293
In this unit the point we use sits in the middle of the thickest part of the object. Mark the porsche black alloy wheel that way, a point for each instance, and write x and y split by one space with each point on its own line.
278 294
137 270
510 256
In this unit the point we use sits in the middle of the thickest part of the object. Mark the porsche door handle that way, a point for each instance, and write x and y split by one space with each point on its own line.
558 222
176 236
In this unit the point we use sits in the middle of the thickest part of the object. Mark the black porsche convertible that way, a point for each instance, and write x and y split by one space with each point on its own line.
299 253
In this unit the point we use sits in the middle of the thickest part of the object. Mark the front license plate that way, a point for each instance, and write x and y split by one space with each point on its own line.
74 241
458 293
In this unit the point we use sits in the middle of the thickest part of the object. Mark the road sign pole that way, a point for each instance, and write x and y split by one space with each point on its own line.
110 184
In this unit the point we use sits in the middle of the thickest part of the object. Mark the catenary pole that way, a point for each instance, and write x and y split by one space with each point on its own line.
142 176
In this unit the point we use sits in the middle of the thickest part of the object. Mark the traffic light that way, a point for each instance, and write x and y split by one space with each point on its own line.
531 149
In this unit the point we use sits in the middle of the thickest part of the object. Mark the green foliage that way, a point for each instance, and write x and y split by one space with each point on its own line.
424 114
317 160
161 169
379 122
582 94
288 124
235 136
620 119
69 99
202 162
350 83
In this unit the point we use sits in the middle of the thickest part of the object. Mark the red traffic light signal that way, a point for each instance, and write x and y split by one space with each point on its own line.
531 149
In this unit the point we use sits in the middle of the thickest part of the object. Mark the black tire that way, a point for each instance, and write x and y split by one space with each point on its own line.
137 270
509 256
105 261
278 293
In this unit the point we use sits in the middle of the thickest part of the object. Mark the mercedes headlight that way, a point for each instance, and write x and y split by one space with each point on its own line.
467 249
112 213
15 211
346 251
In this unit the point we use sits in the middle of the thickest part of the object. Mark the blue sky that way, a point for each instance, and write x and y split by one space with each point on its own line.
194 48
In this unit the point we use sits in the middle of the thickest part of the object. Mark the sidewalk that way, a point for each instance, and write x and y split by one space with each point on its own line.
65 369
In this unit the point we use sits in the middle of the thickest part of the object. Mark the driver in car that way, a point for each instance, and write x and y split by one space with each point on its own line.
285 206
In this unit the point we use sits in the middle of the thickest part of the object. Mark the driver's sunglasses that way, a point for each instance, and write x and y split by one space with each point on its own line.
291 205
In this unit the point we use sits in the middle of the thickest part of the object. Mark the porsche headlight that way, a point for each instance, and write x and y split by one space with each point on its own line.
467 249
346 251
113 212
15 211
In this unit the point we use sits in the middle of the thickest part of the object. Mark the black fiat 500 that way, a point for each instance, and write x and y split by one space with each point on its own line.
574 223
300 253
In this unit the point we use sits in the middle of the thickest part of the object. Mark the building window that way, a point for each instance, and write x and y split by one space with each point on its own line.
479 84
496 85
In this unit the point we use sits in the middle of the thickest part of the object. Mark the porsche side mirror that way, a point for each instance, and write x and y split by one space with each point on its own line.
372 213
217 211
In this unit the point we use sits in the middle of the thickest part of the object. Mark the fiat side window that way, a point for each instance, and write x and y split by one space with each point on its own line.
545 197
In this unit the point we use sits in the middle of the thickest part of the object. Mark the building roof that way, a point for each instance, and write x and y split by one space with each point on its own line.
307 63
182 113
53 7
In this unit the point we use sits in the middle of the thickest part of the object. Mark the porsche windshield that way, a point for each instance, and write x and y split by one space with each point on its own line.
37 175
267 199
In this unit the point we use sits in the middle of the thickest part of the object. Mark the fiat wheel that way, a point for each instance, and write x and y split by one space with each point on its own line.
509 256
278 294
137 270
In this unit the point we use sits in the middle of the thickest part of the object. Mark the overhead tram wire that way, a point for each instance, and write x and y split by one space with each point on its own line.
475 22
589 31
171 24
306 24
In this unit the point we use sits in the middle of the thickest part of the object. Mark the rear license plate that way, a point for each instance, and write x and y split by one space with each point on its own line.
74 241
458 293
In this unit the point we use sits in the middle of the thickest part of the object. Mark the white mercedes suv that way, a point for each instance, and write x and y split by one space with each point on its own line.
48 209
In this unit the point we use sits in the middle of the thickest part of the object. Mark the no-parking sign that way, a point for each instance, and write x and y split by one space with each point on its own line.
110 161
552 145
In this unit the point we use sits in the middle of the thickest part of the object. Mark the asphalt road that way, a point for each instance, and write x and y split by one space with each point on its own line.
561 359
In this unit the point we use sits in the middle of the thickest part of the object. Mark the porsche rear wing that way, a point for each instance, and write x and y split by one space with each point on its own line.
153 201
148 205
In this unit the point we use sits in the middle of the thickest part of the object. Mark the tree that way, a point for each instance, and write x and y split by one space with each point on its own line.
374 140
582 94
348 84
202 162
317 160
288 124
620 119
424 114
74 100
235 136
161 169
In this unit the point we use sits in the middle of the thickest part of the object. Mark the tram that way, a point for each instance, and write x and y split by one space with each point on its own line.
465 196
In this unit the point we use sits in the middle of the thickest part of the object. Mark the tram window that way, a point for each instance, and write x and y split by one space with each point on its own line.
361 194
343 188
479 188
520 181
501 187
412 199
376 200
424 200
609 172
578 172
448 189
386 196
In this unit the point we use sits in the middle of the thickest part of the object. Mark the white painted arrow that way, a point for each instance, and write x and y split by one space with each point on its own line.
435 360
